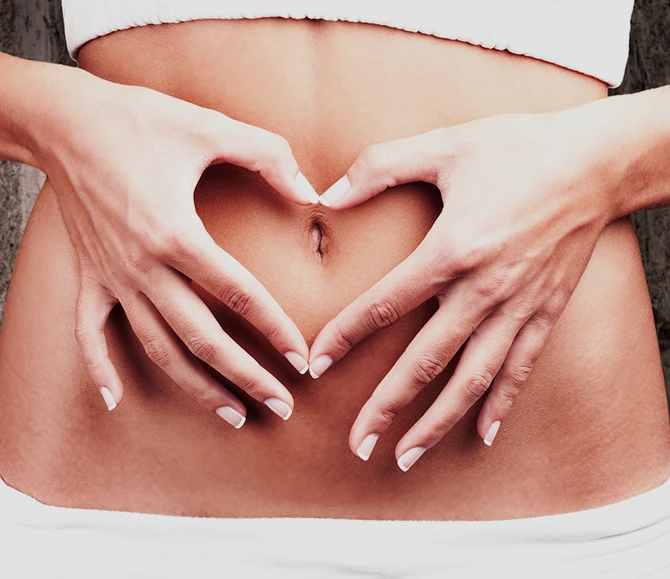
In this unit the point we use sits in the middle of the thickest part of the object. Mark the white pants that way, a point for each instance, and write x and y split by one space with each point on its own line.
628 540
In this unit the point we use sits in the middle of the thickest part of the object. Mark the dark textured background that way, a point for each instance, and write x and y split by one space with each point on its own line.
33 29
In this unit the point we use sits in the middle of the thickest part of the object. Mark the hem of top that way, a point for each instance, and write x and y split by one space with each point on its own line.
610 79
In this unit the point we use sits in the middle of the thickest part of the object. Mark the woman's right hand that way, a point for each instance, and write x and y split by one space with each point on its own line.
124 162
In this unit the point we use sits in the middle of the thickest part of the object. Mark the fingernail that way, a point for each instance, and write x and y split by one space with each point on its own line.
108 398
297 361
364 449
280 408
336 192
491 434
410 457
305 188
319 366
231 416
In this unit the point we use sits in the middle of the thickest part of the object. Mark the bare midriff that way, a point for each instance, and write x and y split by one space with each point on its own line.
590 428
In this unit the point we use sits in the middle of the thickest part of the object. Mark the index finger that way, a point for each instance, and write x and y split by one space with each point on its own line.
199 258
378 167
259 150
419 277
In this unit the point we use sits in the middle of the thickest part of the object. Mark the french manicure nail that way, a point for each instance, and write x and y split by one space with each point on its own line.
297 361
410 457
279 407
491 434
231 416
319 366
364 449
336 192
305 188
108 398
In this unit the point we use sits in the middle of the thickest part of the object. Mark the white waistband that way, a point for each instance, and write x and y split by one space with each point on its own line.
629 539
589 36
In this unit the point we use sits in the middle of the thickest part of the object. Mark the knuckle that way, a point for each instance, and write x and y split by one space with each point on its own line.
93 365
375 160
477 384
249 383
158 352
504 401
81 333
238 300
518 375
278 151
554 307
272 332
465 257
201 395
200 346
135 260
387 413
426 368
497 287
522 311
442 264
170 245
466 253
383 313
344 337
441 429
537 343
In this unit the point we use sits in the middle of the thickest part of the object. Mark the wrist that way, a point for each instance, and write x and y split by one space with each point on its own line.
590 152
40 107
52 121
622 146
608 154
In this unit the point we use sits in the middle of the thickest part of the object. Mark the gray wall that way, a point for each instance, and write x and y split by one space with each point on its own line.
649 67
33 29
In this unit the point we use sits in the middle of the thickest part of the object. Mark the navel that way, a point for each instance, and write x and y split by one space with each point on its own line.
317 239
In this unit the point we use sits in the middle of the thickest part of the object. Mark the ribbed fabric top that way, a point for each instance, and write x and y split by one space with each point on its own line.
589 36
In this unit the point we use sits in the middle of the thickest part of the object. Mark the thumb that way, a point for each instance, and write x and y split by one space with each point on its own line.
262 151
388 164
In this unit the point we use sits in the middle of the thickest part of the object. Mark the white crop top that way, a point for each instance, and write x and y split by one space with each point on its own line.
589 36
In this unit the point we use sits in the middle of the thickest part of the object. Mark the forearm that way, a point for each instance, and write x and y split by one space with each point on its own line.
35 100
627 140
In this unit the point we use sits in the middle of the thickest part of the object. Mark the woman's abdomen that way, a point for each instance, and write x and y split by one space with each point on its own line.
590 427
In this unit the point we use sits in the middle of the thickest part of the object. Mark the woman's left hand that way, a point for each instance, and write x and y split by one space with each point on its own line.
524 204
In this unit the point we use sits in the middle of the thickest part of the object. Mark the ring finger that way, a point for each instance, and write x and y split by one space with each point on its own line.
482 358
163 348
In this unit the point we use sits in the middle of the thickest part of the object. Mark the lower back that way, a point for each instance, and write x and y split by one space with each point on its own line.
591 426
